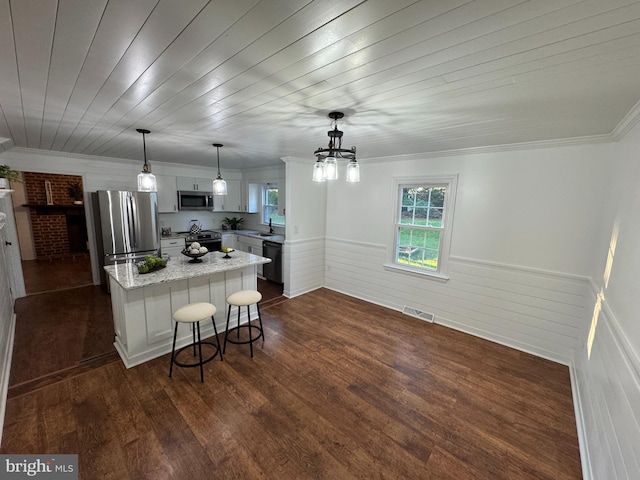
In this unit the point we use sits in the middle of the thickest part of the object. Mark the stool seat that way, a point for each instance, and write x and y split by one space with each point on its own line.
194 312
244 298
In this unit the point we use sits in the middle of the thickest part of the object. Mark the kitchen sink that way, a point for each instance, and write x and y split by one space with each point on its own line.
266 234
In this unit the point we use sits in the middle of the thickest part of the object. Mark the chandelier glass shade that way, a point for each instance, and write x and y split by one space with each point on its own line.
326 165
146 179
219 184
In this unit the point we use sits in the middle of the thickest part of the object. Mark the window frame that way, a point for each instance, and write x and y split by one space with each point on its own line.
264 205
450 182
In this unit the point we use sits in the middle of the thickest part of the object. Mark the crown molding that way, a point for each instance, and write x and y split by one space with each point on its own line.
508 147
627 123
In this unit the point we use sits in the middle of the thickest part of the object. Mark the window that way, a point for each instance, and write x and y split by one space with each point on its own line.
423 222
270 205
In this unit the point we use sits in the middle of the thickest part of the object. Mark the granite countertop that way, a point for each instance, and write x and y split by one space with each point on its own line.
256 234
179 268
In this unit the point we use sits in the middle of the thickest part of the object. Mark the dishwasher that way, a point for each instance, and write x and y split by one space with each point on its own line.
272 270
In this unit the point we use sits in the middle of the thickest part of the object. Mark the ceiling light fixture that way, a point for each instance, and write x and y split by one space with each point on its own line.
326 166
146 179
219 185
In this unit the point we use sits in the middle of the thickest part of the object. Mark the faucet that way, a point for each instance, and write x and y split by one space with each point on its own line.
270 227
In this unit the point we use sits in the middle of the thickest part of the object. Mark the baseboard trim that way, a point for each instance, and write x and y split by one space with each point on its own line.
587 473
6 372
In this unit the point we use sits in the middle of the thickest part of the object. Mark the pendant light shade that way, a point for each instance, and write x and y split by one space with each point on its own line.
219 184
326 167
318 171
146 179
353 171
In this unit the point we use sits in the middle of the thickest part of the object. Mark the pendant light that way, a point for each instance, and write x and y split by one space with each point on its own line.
146 179
219 185
326 166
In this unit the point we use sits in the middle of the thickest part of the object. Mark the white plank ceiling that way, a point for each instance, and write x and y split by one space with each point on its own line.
261 76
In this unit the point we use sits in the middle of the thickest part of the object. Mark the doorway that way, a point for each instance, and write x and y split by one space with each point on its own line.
52 232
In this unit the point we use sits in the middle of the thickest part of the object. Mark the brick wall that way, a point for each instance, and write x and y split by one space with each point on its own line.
50 233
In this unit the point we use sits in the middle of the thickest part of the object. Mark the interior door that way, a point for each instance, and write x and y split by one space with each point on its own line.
11 249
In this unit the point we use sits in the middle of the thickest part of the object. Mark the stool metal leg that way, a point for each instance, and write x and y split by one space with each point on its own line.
250 336
215 331
238 331
193 331
200 350
226 331
260 320
173 349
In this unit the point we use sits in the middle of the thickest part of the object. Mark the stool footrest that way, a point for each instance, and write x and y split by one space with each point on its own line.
197 363
244 342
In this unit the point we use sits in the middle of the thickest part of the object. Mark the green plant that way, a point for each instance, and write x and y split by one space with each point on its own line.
234 222
75 191
9 174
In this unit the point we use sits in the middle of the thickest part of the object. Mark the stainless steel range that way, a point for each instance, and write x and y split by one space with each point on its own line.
206 238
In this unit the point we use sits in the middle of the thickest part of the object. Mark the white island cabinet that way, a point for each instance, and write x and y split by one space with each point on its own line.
143 304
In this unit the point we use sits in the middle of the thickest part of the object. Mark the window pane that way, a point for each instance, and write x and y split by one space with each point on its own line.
406 215
435 217
437 196
408 196
422 196
271 196
420 216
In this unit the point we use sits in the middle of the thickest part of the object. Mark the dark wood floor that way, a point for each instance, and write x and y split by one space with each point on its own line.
340 389
57 274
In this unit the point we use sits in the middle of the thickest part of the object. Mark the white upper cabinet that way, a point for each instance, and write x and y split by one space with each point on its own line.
232 201
167 194
195 184
251 197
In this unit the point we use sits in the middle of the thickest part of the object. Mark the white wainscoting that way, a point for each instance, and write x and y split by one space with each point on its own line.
304 264
607 399
534 311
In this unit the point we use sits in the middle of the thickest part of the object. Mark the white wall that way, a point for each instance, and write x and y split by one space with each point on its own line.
607 366
304 260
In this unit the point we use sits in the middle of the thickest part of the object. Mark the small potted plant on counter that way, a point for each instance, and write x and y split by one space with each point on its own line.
8 175
75 192
234 223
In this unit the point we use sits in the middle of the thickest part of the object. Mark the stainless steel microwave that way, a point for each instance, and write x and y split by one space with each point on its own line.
194 200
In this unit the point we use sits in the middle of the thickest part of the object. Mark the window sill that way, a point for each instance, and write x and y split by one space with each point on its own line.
439 277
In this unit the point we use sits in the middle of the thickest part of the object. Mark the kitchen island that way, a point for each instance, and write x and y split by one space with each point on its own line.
143 304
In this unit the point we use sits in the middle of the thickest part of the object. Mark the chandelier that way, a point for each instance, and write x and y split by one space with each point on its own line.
146 179
326 166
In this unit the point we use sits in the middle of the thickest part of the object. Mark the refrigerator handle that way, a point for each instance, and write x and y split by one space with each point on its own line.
132 221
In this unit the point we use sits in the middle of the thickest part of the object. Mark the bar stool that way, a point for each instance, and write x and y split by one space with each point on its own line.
244 298
194 313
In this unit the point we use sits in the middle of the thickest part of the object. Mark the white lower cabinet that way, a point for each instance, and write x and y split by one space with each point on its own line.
251 245
172 247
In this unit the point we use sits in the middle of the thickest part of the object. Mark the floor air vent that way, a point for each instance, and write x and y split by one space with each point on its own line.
414 312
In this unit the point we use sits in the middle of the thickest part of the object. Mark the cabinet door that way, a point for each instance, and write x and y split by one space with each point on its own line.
167 194
233 202
251 197
172 246
186 183
203 184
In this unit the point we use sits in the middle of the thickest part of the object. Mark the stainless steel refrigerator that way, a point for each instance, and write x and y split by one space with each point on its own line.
127 226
